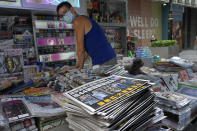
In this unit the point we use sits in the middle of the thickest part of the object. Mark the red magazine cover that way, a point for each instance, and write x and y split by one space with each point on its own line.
184 75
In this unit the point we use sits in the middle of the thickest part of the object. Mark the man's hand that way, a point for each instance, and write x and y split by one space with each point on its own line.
67 68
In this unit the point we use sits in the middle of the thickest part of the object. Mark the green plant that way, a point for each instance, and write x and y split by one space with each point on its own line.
163 43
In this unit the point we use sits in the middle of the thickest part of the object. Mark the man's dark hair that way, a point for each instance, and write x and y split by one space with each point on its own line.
67 4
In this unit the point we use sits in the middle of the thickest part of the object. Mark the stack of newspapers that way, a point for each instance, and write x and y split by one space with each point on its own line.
177 109
111 103
117 69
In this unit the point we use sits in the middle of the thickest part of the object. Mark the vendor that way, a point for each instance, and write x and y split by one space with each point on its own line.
91 39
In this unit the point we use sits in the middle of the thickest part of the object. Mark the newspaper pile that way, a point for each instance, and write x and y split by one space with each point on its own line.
111 103
76 78
116 70
176 108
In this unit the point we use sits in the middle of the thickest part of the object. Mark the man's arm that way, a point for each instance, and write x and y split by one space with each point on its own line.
86 55
79 28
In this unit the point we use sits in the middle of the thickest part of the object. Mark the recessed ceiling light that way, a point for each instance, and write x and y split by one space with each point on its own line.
164 4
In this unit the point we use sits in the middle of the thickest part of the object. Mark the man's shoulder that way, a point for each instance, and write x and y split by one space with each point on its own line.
81 19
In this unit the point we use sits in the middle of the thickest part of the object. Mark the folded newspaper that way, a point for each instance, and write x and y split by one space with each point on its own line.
111 103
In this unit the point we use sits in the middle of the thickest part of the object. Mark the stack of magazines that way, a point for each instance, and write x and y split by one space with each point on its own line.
43 106
26 125
48 123
176 108
111 103
15 109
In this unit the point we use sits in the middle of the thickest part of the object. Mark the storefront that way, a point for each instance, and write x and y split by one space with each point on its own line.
177 24
185 22
41 90
145 20
190 28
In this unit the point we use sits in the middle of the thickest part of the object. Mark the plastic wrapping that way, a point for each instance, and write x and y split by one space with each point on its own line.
3 120
183 121
171 99
181 62
177 122
180 111
189 90
43 106
15 109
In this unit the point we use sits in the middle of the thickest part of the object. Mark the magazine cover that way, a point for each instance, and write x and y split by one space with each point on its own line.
39 91
171 81
43 106
15 109
14 60
29 72
184 75
97 94
190 73
188 90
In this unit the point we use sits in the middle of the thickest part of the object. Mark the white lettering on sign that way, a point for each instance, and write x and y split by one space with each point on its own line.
154 22
144 33
133 21
143 22
146 22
